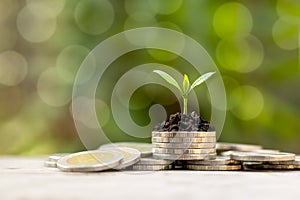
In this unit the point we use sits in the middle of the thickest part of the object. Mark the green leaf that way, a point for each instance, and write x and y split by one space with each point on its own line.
169 79
186 84
202 79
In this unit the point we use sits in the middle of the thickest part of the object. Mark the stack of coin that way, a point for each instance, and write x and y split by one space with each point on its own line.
151 164
182 145
221 163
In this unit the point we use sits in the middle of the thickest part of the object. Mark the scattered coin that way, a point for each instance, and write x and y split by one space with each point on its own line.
144 148
214 167
183 134
184 156
151 167
185 145
183 140
220 160
249 165
90 161
184 151
57 156
49 163
130 156
263 157
228 153
221 146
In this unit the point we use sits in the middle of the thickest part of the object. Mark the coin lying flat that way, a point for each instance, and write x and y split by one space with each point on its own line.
49 163
184 151
130 156
90 161
183 134
151 167
249 165
228 153
57 156
263 157
214 167
144 148
184 156
152 161
221 146
185 145
220 160
183 140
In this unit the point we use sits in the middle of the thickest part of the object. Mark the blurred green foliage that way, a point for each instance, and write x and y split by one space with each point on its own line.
255 44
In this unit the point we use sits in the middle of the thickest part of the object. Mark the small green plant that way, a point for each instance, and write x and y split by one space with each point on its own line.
186 86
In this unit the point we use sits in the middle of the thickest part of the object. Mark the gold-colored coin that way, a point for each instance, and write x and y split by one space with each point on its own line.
184 134
214 167
184 151
90 161
183 140
185 145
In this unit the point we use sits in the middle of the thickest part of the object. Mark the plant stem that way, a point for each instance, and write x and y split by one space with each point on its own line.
185 102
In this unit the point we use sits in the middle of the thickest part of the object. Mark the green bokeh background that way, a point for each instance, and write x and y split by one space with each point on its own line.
255 45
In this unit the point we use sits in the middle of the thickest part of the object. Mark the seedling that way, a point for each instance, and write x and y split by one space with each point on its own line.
186 86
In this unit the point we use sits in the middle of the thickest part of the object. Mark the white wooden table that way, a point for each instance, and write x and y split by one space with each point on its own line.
27 178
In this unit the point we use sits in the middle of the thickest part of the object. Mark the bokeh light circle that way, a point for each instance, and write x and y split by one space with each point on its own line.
52 89
94 16
13 68
165 7
289 10
241 55
232 20
48 8
286 35
246 102
35 28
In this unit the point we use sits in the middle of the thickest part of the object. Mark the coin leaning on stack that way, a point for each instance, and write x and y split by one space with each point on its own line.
182 145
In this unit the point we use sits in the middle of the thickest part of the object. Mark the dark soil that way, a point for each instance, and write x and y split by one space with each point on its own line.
181 122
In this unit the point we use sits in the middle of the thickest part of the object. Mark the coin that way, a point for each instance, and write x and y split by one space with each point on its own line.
249 165
151 167
130 156
49 163
183 134
184 156
263 157
57 156
214 167
220 160
183 140
297 160
152 161
185 145
221 146
144 148
228 153
90 161
184 151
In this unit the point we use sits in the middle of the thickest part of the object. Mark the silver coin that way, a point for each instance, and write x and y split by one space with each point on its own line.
151 167
144 148
228 153
152 161
57 156
221 146
51 164
184 134
249 165
184 156
214 167
185 145
220 160
184 151
183 140
263 157
297 160
130 156
90 161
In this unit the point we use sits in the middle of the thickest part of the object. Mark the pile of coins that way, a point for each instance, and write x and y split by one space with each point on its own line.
181 145
143 157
